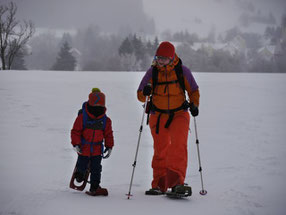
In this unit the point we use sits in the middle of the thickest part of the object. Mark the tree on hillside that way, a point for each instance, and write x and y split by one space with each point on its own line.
231 33
280 54
187 55
43 51
156 43
149 48
138 46
66 38
272 33
140 52
152 47
125 47
19 62
283 26
65 60
130 63
252 40
13 34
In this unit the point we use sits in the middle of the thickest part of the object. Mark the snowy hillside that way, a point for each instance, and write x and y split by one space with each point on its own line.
241 129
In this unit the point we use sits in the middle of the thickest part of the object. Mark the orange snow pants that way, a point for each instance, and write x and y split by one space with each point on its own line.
170 150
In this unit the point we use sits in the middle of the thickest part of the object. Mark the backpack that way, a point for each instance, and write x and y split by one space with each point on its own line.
87 122
151 107
180 77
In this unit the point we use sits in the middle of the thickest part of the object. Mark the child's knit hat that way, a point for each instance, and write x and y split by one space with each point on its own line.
96 98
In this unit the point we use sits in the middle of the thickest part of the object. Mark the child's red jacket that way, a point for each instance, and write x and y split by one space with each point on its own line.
90 139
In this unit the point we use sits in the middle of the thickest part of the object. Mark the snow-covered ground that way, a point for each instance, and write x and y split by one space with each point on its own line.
241 129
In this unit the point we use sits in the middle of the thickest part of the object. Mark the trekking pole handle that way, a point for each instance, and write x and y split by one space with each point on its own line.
145 106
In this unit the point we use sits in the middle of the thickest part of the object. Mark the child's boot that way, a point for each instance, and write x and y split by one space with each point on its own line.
96 190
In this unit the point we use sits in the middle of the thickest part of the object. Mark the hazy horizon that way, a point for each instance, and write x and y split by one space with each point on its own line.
202 16
153 17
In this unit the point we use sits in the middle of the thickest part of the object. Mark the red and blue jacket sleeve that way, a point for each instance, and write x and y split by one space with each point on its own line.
76 131
108 134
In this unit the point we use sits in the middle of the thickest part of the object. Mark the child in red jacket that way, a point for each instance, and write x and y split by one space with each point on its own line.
92 139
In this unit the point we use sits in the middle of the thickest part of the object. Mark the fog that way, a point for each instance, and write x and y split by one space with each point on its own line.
201 16
152 16
109 15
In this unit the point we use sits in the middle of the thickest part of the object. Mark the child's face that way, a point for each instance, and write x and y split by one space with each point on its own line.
96 110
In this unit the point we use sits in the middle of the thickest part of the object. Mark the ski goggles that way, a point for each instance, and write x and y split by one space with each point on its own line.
162 58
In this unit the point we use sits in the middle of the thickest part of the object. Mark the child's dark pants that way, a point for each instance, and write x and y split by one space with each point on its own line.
95 168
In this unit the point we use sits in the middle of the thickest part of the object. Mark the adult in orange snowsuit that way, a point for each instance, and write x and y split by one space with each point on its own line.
166 82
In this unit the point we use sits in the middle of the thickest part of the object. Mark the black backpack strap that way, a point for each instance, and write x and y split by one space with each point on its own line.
154 78
79 112
171 114
170 119
179 72
154 83
167 82
180 75
158 123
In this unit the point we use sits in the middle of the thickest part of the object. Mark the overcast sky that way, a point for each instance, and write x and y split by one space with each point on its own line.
110 15
201 15
193 15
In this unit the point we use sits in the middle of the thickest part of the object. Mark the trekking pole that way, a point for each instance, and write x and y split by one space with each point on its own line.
135 160
203 191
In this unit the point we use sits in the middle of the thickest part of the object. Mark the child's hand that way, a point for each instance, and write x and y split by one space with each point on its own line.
108 152
77 149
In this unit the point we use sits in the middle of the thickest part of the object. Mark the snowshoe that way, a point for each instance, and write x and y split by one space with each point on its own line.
180 191
98 192
79 177
79 180
154 192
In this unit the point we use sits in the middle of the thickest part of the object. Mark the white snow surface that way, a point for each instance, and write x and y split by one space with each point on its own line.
241 129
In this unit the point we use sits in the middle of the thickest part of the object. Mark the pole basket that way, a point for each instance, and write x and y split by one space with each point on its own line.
203 192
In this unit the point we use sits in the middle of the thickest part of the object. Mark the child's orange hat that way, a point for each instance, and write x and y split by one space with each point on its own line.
96 98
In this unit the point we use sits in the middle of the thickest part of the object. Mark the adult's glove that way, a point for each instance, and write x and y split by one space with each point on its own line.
194 110
107 152
147 90
77 149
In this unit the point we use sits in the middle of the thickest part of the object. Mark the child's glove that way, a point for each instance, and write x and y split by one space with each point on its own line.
108 152
77 149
